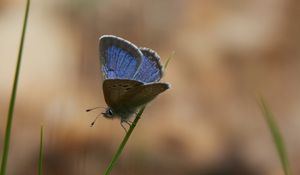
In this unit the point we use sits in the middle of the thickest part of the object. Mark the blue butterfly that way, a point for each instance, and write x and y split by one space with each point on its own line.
131 76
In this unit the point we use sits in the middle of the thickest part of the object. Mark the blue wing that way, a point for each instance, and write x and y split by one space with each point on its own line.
120 59
151 69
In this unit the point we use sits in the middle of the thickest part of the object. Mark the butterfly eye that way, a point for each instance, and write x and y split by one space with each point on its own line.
110 112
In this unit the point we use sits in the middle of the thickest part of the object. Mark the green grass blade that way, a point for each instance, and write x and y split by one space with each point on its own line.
13 96
168 60
40 172
278 140
123 143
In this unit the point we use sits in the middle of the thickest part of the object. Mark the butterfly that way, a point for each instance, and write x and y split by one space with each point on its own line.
131 76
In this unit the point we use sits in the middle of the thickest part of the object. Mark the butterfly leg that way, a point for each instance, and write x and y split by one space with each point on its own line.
122 122
127 122
123 126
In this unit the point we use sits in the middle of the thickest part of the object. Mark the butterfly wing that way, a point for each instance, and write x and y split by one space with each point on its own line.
115 89
151 69
142 94
120 58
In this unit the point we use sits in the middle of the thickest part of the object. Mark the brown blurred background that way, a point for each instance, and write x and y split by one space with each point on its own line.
208 123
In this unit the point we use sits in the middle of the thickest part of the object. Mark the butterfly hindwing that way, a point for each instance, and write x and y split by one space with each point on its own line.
151 69
120 58
115 89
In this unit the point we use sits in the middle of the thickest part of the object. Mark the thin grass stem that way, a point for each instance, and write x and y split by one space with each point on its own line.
123 143
13 96
278 140
168 60
40 171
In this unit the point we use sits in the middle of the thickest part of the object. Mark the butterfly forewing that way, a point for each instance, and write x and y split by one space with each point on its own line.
116 89
142 94
120 58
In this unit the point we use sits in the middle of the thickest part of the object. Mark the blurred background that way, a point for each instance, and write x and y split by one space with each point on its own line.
208 123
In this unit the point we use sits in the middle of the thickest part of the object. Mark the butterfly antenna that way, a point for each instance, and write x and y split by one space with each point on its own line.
88 110
92 124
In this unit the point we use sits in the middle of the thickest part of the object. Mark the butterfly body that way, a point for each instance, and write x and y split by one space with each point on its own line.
131 76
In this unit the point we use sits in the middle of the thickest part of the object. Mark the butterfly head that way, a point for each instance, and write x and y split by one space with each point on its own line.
108 113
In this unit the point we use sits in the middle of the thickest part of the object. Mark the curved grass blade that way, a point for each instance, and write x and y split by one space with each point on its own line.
123 143
168 60
278 140
13 96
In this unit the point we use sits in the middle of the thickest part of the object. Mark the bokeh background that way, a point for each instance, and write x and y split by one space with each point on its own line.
208 123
